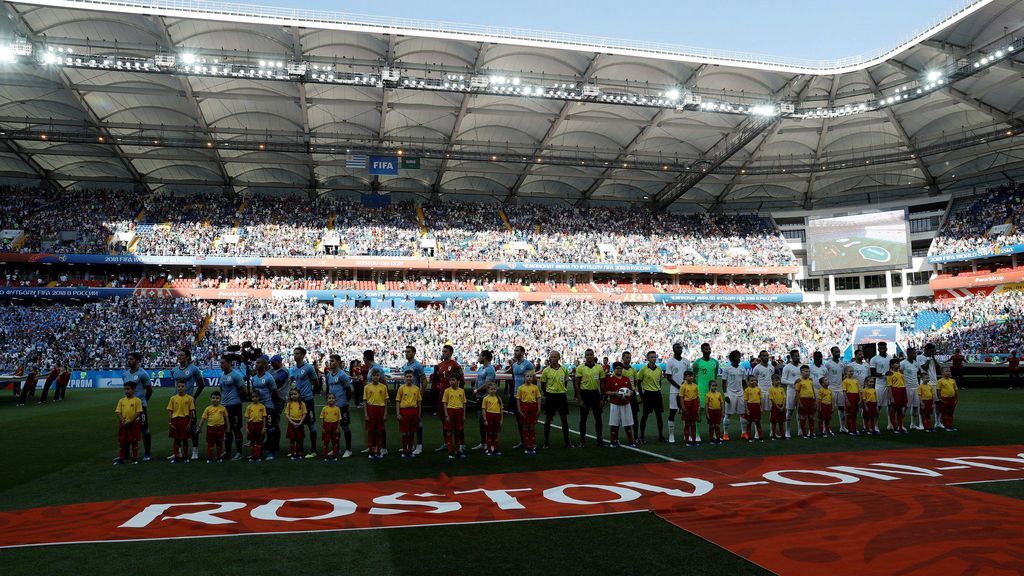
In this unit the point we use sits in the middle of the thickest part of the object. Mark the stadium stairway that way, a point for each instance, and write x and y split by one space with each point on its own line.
202 329
18 242
929 320
504 219
421 220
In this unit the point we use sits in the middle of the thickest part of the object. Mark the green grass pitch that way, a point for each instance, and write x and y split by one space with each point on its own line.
61 453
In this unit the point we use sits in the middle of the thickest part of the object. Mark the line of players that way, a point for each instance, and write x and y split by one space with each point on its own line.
858 388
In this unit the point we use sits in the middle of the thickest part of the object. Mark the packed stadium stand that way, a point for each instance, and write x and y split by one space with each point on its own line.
994 218
168 183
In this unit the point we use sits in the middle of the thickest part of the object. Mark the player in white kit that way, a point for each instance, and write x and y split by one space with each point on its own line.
912 374
879 367
930 364
790 374
861 369
834 367
764 371
675 368
818 373
734 376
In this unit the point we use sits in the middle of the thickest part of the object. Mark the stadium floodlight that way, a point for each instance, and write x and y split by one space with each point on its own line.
188 58
764 110
672 94
933 75
49 57
7 54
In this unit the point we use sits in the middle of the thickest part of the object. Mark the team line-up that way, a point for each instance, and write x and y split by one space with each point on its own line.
814 391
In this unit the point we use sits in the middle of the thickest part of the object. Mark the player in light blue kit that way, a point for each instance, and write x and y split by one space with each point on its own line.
190 374
307 382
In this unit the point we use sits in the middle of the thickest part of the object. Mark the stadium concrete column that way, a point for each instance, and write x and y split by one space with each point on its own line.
832 289
888 288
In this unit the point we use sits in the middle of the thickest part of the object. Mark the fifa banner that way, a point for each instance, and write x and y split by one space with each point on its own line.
391 263
409 296
973 281
986 252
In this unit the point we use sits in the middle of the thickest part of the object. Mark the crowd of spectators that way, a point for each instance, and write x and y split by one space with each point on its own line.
99 334
981 325
229 225
67 221
971 220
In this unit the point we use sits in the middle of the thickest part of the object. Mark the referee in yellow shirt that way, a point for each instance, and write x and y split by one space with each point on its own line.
648 379
589 382
553 381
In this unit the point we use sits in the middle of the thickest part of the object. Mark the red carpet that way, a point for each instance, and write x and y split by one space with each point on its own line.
863 513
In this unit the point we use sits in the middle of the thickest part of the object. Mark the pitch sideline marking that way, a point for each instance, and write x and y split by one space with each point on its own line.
984 481
654 454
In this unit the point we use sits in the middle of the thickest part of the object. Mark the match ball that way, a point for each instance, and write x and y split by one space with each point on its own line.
624 392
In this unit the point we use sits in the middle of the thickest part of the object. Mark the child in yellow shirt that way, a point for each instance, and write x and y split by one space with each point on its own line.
129 427
454 402
492 407
181 410
255 423
752 398
295 413
330 418
898 395
851 387
777 401
215 417
949 396
805 393
714 402
869 397
825 410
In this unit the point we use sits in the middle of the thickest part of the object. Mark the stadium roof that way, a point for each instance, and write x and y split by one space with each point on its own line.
179 95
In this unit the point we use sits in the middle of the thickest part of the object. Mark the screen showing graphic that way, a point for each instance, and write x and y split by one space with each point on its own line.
863 242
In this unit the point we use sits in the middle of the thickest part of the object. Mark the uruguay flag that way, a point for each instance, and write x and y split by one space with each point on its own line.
356 161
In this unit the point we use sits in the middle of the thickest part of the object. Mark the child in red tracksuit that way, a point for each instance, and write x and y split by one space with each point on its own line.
689 405
129 429
777 402
492 407
869 398
330 420
528 407
181 411
851 387
825 410
295 413
215 417
713 404
454 402
949 395
409 400
256 423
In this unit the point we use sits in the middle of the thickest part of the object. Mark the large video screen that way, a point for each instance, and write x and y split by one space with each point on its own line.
874 241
